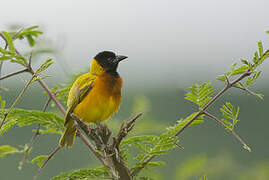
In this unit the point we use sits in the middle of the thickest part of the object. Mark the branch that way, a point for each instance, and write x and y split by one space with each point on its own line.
233 132
13 74
249 91
46 161
17 100
111 152
209 103
124 130
1 63
143 165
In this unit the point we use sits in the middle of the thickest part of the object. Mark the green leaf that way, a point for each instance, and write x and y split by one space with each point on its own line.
221 78
2 103
156 163
7 150
159 152
137 139
22 117
260 49
232 67
255 58
259 95
251 79
9 41
44 66
239 70
235 71
144 178
29 33
230 114
245 62
4 58
30 40
50 131
85 174
39 160
200 94
38 78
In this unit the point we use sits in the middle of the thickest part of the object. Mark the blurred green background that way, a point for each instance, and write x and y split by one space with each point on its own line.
171 45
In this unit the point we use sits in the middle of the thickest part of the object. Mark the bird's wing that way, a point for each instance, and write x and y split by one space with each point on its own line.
80 89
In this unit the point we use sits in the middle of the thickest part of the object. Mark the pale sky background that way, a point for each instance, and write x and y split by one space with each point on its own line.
183 40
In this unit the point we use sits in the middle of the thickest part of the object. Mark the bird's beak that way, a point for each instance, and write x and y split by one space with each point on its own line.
120 57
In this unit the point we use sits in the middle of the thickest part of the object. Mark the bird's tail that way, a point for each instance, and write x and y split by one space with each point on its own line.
68 136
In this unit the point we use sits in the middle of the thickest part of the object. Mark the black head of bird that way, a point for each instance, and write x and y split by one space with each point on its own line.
109 60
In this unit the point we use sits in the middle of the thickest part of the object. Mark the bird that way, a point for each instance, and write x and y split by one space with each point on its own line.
94 96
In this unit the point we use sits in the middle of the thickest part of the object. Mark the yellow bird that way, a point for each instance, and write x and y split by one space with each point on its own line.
94 96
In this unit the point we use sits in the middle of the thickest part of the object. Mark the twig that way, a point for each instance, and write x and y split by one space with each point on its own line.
46 161
233 132
179 146
209 103
1 63
13 74
17 100
114 150
30 144
124 130
246 89
142 166
16 34
5 39
51 94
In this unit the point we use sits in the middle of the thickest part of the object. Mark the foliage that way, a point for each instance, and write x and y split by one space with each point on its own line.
137 150
29 33
230 114
50 122
38 160
149 145
85 174
200 94
7 150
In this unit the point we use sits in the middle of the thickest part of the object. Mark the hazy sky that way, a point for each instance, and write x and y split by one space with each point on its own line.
163 39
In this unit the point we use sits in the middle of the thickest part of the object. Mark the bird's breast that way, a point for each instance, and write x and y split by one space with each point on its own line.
103 100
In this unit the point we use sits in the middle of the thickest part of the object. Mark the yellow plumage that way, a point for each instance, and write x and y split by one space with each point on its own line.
93 97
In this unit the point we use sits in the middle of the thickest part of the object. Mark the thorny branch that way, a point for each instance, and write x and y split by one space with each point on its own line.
111 152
